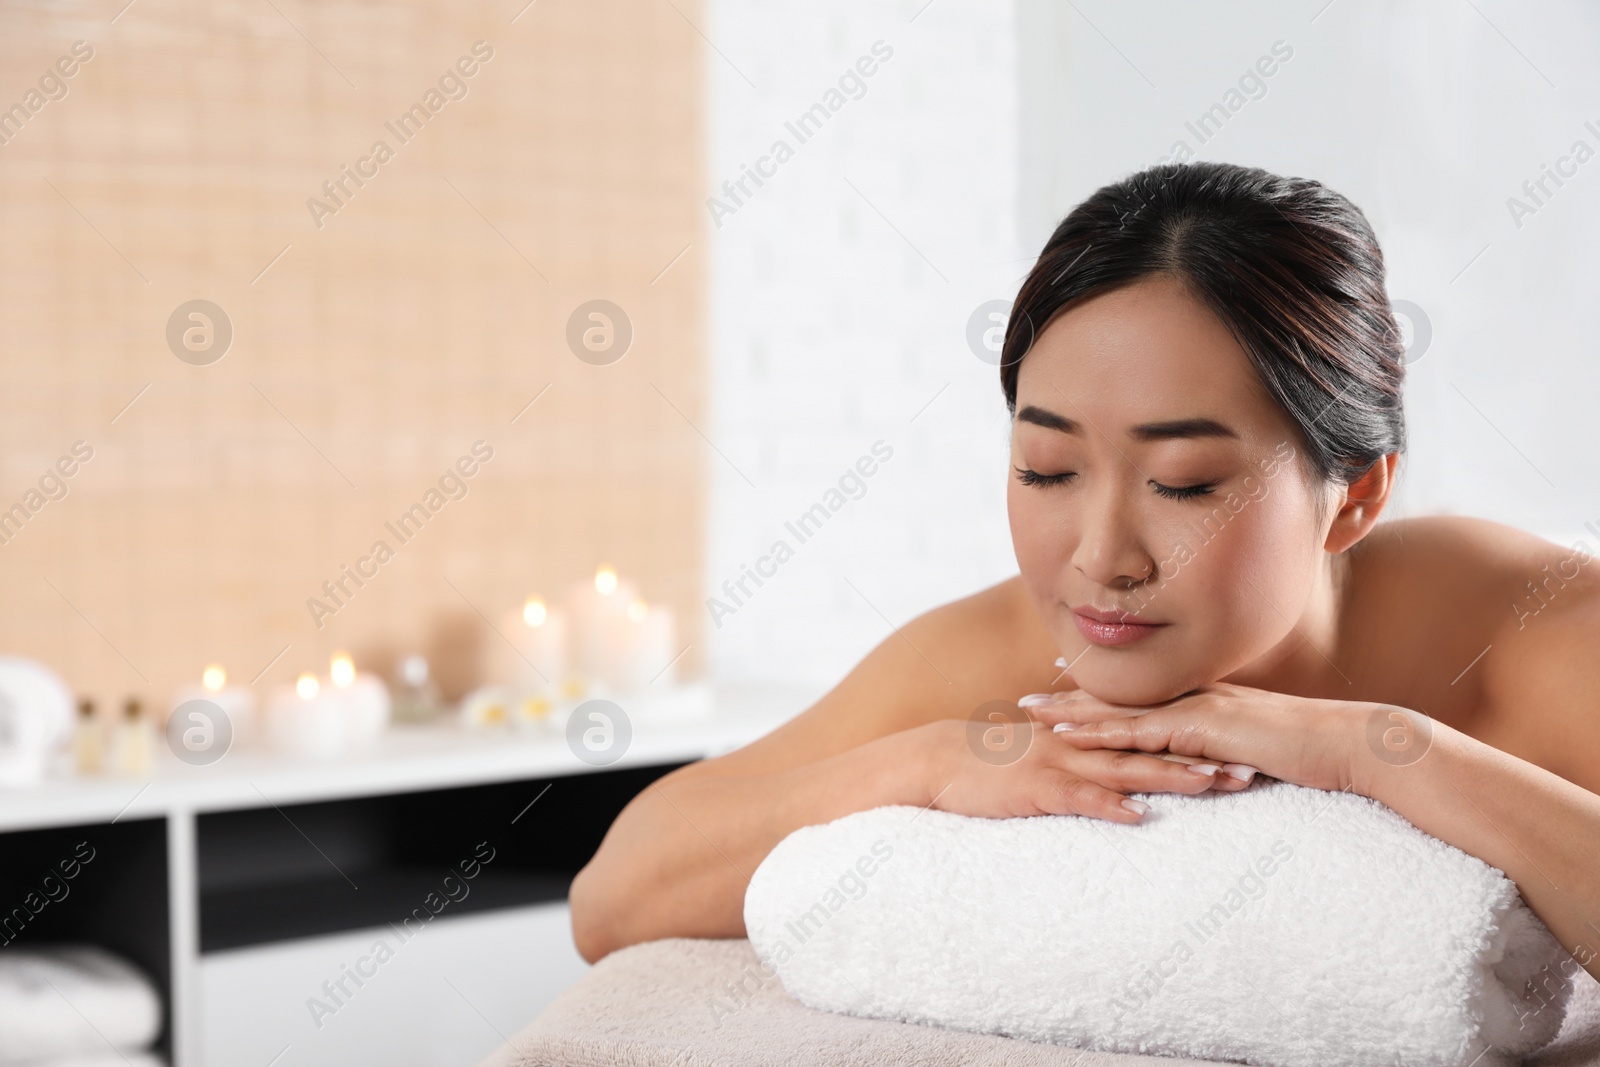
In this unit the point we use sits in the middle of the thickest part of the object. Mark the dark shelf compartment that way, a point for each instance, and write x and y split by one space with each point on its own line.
117 900
304 870
256 914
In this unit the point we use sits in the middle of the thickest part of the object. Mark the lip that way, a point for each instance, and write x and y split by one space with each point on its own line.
1111 628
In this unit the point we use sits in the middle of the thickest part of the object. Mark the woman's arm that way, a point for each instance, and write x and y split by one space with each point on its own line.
1541 694
679 857
1542 830
1533 811
902 728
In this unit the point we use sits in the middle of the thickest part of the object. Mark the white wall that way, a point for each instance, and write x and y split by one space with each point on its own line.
835 325
830 330
1429 115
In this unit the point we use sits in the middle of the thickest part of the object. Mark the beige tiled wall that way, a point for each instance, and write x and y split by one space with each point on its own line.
369 353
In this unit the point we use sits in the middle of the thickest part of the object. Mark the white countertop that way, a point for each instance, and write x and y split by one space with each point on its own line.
406 758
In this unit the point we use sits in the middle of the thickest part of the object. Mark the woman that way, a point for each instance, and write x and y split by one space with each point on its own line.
1204 373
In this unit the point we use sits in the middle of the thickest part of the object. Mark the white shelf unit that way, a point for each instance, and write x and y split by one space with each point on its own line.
239 990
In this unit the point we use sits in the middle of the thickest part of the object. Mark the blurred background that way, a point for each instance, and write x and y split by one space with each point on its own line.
774 338
670 277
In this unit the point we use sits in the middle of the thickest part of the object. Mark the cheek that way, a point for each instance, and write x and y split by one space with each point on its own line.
1038 533
1255 574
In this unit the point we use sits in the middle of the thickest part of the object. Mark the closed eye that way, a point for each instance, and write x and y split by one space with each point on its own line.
1183 492
1031 477
1171 492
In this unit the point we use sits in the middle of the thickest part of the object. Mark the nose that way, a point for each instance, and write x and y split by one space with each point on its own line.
1109 550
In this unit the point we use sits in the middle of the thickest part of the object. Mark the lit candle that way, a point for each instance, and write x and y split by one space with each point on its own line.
645 653
598 611
238 702
302 720
363 699
533 656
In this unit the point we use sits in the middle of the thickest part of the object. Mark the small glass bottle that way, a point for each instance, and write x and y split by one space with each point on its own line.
416 697
88 740
132 741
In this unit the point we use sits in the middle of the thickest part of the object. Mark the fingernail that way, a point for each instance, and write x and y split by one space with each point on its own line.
1033 700
1241 771
1207 769
1061 661
1138 807
1060 726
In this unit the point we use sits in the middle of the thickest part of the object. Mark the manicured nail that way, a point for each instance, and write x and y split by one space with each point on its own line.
1138 807
1033 700
1061 661
1061 726
1241 771
1207 769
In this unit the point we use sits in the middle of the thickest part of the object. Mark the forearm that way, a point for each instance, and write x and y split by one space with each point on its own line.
1540 829
677 860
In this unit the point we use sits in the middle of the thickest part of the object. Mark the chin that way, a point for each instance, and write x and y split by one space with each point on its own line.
1130 683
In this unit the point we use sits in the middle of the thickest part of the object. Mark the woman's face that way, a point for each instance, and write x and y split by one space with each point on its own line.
1154 475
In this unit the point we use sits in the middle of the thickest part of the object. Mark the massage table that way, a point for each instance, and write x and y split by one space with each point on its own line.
652 1005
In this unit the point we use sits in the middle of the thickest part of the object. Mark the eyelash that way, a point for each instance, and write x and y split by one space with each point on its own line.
1184 492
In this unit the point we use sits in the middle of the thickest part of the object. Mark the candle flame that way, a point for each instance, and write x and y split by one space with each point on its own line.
605 581
637 611
534 612
342 670
214 678
306 686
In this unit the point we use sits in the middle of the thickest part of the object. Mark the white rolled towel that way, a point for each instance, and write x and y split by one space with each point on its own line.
1278 925
61 1002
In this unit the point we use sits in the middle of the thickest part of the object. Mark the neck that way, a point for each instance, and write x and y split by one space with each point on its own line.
1307 662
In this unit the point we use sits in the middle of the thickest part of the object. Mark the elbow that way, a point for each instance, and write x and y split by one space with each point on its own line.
592 931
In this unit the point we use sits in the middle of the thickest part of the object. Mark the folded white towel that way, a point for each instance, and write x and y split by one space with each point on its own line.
1278 925
67 1001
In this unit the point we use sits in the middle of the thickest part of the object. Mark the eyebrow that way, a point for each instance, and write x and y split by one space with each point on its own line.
1171 430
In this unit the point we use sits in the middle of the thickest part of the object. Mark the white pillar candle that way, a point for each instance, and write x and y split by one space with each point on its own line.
645 648
237 702
595 612
533 656
303 721
363 700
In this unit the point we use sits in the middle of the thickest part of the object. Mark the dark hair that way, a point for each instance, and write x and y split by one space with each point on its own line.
1291 267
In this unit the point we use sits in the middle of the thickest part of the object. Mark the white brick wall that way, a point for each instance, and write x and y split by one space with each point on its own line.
840 297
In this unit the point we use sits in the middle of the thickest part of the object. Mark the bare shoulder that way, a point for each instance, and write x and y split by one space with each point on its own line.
1532 608
1456 569
942 664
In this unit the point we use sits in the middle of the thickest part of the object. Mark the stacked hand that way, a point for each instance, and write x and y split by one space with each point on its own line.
1081 755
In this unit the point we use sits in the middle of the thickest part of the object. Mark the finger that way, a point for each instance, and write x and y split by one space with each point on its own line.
1173 730
1150 732
1074 707
1135 772
1063 793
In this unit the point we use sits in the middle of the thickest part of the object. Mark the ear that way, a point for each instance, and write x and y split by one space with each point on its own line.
1361 503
